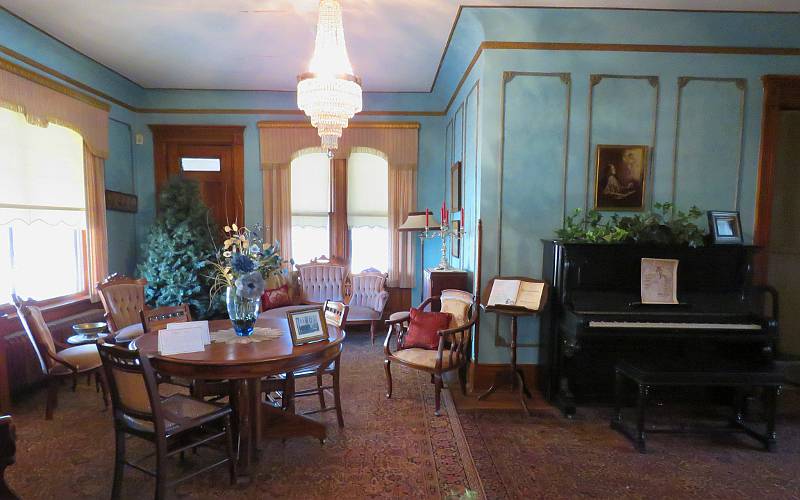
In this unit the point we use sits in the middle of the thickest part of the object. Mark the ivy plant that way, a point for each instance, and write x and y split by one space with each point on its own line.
662 226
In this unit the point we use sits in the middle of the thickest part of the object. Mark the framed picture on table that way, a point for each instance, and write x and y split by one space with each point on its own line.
307 325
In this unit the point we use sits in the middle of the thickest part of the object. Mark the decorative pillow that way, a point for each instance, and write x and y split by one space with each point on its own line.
423 328
275 297
458 312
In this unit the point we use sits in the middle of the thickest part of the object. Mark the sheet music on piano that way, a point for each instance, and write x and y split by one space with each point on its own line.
659 281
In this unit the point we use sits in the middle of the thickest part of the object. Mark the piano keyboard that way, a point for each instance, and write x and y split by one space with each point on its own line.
669 326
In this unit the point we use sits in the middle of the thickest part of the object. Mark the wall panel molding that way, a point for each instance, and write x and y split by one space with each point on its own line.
741 85
507 78
594 81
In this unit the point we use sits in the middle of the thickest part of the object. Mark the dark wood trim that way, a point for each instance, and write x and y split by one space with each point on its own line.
781 93
201 135
339 232
483 375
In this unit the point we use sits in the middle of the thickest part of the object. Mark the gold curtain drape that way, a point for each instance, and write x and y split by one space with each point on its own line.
95 188
277 205
398 143
402 200
44 101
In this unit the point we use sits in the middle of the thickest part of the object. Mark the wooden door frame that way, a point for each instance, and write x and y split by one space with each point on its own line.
781 93
201 135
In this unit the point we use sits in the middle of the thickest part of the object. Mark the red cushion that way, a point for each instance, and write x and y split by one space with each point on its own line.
423 327
275 297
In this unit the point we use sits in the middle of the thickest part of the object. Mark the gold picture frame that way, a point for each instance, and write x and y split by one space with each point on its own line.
620 180
455 187
455 242
307 325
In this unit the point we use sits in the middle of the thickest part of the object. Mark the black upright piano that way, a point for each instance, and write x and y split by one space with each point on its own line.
595 317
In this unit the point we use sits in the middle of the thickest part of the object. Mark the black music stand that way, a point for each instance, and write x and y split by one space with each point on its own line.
517 378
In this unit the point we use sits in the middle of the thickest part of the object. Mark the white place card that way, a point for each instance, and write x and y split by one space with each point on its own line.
180 341
202 326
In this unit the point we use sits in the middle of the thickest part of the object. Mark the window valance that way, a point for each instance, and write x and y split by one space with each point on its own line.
398 141
44 101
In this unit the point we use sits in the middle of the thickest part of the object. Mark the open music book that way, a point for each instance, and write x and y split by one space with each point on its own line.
516 293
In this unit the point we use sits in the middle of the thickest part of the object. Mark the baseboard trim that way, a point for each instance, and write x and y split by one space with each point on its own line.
482 375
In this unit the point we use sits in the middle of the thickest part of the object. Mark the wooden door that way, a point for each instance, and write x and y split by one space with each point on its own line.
783 251
777 228
212 156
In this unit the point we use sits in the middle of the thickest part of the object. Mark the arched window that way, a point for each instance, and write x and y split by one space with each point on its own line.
368 210
311 205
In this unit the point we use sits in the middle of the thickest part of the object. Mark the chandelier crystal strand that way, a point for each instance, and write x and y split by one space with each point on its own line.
329 93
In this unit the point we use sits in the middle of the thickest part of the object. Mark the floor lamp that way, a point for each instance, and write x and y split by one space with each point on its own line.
425 223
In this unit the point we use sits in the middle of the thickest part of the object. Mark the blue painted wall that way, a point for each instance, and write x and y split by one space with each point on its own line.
542 114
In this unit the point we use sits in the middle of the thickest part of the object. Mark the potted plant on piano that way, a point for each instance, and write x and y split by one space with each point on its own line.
242 265
662 226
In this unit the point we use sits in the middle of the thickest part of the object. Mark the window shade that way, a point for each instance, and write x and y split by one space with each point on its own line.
367 191
311 186
42 173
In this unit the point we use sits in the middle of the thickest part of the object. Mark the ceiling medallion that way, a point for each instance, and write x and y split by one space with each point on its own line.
329 93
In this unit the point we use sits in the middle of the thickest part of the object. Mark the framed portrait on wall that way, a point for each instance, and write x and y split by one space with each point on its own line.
455 187
620 180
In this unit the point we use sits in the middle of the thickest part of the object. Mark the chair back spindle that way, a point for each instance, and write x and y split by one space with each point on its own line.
336 313
157 319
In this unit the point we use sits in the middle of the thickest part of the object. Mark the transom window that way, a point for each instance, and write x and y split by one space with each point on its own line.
42 210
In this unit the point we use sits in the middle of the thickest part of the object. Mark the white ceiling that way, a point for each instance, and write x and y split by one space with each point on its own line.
394 45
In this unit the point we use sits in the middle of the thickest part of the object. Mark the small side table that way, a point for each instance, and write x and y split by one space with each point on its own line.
516 376
80 339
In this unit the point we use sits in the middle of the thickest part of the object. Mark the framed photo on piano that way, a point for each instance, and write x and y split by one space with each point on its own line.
725 228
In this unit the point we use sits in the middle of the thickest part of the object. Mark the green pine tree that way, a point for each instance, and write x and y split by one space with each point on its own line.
177 251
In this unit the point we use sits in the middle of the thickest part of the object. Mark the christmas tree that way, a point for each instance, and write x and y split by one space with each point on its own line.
177 251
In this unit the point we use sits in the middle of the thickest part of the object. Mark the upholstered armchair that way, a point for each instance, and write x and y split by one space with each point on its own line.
453 349
123 301
69 362
322 279
368 297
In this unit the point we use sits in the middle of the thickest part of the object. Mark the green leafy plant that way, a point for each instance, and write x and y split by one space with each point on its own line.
177 250
662 226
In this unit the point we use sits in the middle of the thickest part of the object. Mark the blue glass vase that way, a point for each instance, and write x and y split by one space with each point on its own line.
242 311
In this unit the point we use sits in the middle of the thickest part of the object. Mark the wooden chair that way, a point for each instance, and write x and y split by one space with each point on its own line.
57 365
157 319
8 450
123 299
174 424
367 296
335 315
452 353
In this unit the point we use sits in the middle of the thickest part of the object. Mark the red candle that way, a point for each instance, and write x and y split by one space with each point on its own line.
462 217
427 212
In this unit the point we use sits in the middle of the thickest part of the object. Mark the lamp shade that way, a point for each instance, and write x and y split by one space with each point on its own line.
416 222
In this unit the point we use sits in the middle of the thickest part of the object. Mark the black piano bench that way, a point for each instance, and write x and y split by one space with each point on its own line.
649 374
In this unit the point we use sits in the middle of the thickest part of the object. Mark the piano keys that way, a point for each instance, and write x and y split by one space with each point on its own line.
595 317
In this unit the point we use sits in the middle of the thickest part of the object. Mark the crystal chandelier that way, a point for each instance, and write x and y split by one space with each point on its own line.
329 93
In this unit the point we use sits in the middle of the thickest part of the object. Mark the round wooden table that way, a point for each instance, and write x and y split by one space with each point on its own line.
245 365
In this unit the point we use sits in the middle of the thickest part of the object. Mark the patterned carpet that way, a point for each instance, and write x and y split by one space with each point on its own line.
397 449
388 449
547 456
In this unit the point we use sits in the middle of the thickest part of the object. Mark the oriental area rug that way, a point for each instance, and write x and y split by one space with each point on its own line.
392 448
